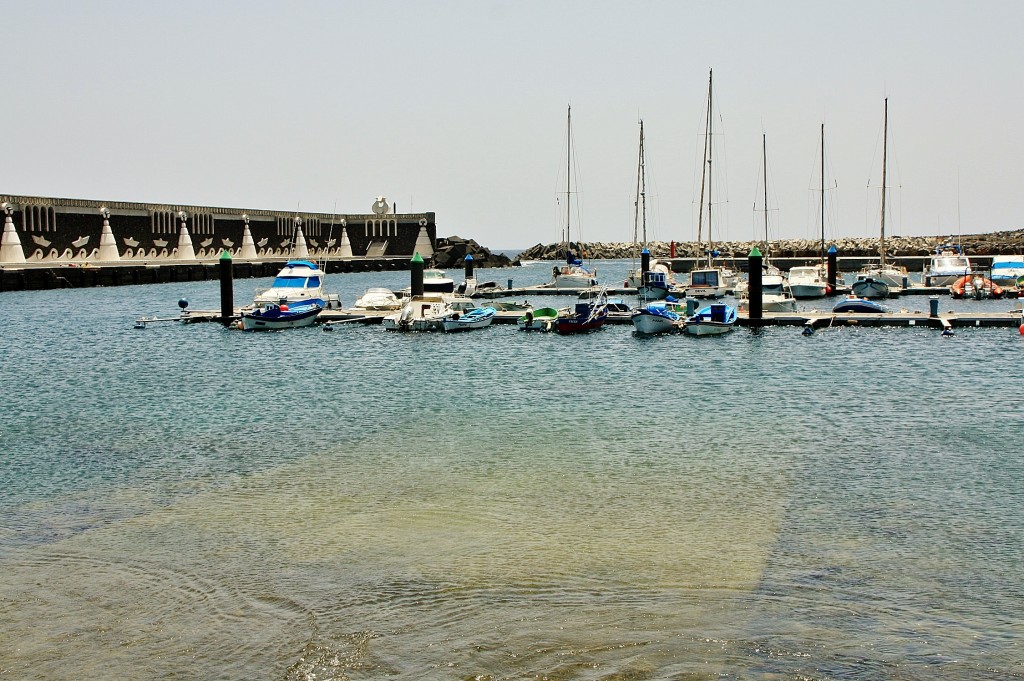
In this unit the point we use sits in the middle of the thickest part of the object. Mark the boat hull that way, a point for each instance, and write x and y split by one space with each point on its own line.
585 319
542 319
650 322
272 318
870 288
477 319
713 320
858 306
808 291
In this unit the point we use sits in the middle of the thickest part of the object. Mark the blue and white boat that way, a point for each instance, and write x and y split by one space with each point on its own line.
713 319
947 264
1007 270
855 304
477 318
656 318
298 281
277 316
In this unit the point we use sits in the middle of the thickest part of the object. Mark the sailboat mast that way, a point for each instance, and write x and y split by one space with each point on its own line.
636 202
823 192
643 184
703 170
568 176
764 161
710 150
885 148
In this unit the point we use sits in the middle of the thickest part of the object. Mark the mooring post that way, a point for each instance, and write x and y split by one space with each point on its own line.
227 295
691 307
832 253
933 306
469 266
416 275
645 260
754 300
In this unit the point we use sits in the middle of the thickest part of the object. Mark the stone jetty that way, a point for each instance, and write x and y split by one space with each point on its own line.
992 243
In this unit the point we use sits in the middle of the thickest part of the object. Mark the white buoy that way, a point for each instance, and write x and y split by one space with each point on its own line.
248 245
108 245
423 246
10 243
345 247
185 249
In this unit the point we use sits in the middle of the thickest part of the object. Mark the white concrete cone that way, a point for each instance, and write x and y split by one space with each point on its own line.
10 244
185 249
345 247
301 250
248 245
423 246
108 245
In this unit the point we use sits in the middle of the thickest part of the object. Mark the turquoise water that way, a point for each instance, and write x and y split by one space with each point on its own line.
192 502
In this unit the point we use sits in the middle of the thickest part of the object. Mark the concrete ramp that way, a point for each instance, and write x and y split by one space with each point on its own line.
377 249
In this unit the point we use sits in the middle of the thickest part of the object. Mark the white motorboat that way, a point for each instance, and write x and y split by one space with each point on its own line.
707 282
1007 270
378 299
775 295
946 265
436 281
808 281
299 280
277 316
477 318
655 318
711 320
573 275
419 313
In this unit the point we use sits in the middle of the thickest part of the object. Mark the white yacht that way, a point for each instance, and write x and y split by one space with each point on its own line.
947 264
776 295
808 281
1007 269
298 281
378 299
436 281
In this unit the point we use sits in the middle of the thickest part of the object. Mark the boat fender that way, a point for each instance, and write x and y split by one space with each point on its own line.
828 290
455 316
283 307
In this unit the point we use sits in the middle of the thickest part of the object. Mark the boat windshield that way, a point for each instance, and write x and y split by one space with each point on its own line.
772 289
947 262
706 278
296 282
1008 265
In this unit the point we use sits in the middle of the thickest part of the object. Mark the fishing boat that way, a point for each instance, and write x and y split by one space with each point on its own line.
946 265
477 318
709 281
1007 270
436 281
710 320
892 276
539 319
298 281
378 299
977 286
656 317
583 318
573 274
277 316
854 304
419 313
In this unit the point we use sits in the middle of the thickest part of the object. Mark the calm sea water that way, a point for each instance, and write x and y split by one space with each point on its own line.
193 502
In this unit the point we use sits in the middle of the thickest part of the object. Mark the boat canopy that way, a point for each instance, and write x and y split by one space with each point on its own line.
296 282
704 278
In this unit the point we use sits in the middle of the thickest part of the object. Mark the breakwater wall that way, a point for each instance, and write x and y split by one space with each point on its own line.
797 250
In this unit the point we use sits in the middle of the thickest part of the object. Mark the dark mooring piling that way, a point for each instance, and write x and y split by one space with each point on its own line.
469 266
645 260
754 300
227 283
832 268
416 275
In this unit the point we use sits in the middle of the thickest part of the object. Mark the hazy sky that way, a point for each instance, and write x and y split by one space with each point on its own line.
460 107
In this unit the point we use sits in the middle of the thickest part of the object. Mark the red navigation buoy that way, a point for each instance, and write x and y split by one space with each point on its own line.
1022 329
